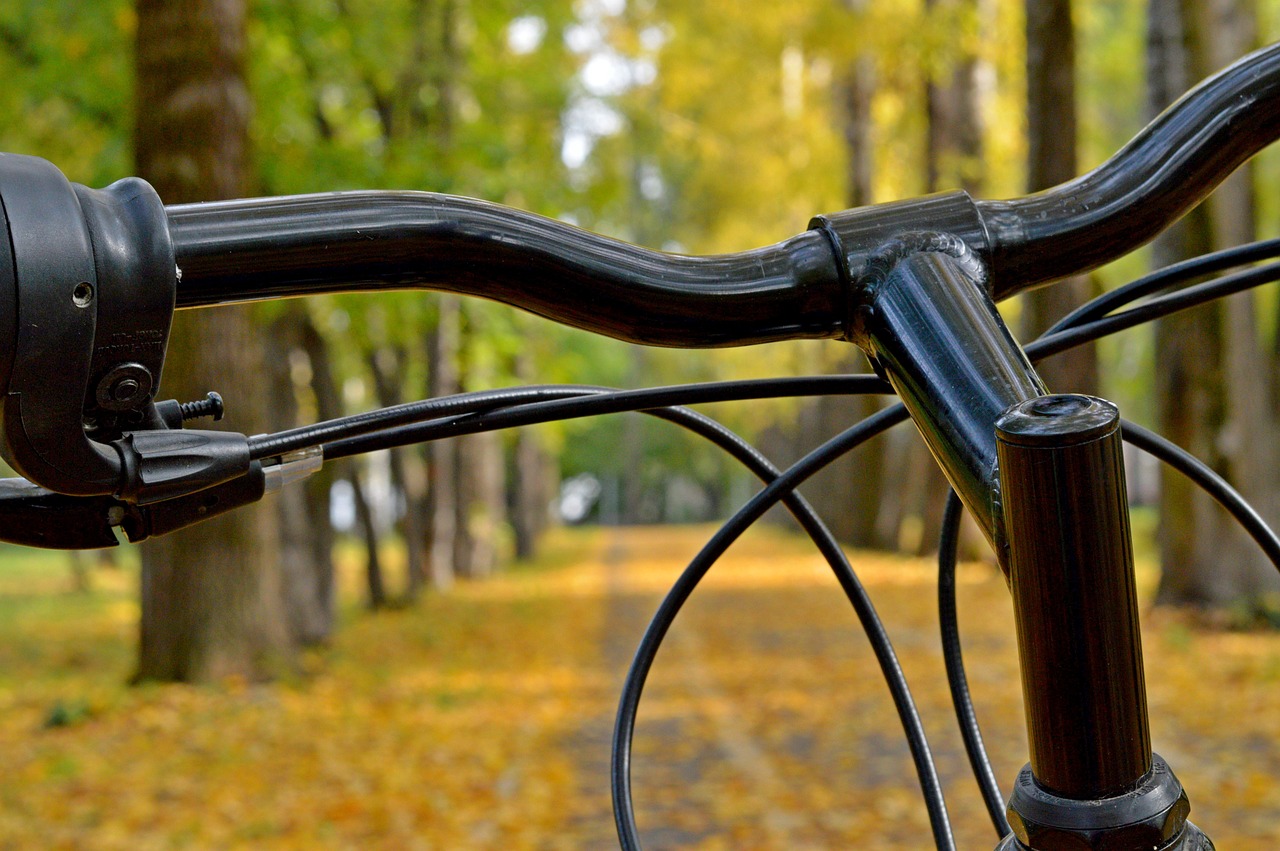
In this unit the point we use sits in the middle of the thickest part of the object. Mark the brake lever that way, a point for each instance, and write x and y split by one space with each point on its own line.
36 517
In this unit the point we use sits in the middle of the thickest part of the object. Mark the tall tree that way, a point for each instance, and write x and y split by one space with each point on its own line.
442 379
480 471
407 476
306 536
1205 354
847 493
211 596
1051 159
530 482
953 159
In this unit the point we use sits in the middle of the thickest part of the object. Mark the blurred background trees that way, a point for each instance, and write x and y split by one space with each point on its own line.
698 127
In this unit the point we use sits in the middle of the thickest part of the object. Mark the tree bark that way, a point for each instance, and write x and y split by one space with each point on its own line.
1209 358
480 504
306 538
1051 159
387 364
442 379
329 406
530 480
1248 435
319 487
211 595
953 141
479 470
375 581
530 492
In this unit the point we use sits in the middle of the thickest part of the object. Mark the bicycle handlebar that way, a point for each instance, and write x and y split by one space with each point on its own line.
1168 168
91 284
303 245
309 244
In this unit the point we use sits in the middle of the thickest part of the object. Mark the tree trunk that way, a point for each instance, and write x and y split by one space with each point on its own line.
211 596
1210 358
387 364
306 538
847 493
530 480
480 505
442 379
318 488
375 581
479 471
1051 159
953 141
530 492
1248 436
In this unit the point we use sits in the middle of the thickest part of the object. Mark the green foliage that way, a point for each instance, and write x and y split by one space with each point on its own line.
410 95
68 85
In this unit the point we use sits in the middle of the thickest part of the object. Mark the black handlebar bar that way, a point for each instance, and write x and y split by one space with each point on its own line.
1168 168
266 248
310 244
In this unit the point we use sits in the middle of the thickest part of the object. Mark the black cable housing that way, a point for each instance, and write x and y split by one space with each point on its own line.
400 425
1169 276
647 651
953 658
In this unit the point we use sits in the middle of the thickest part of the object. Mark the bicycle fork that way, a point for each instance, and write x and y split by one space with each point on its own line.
1043 476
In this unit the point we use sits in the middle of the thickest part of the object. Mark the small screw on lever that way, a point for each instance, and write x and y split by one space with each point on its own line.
210 406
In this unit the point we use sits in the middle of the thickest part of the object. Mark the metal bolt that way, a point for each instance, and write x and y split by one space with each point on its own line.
125 389
210 406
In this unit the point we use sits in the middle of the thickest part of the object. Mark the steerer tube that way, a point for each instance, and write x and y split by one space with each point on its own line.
1071 575
1093 782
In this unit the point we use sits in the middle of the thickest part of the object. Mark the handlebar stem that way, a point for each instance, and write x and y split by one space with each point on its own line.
924 318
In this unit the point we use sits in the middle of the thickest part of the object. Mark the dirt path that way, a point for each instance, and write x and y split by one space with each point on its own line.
728 750
665 822
480 718
767 725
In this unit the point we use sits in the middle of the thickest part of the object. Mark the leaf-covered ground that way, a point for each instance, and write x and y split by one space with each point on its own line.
481 718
